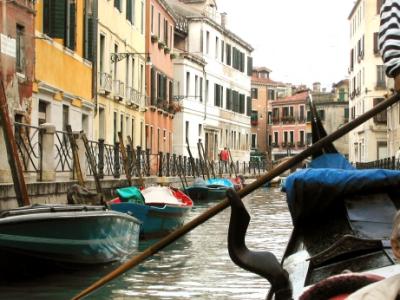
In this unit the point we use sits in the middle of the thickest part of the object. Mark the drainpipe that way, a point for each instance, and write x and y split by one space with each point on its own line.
95 18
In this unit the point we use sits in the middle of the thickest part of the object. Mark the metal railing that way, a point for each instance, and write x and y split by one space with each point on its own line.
28 139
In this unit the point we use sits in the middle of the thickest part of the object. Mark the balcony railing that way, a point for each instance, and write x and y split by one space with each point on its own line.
254 122
300 144
275 120
288 119
105 86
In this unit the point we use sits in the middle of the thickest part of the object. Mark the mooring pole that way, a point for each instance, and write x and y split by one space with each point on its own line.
124 158
21 191
75 156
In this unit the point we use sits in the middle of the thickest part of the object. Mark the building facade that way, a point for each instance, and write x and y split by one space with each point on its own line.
161 109
289 125
62 92
367 83
121 60
333 109
263 92
17 60
213 82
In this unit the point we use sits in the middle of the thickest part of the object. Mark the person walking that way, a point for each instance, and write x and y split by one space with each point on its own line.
224 157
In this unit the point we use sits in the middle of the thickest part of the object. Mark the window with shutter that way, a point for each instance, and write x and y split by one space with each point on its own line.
129 11
228 55
20 49
153 87
71 26
376 48
117 4
216 94
249 108
241 104
54 18
380 118
228 104
249 66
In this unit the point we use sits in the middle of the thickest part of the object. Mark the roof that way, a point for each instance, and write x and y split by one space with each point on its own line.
353 9
191 13
264 81
262 69
298 96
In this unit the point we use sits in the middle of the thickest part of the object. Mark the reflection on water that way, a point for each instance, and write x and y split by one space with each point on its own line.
195 267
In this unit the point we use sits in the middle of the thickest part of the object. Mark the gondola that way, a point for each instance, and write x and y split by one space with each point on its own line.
210 189
342 221
160 209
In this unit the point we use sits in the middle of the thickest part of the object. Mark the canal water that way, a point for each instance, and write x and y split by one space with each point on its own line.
195 267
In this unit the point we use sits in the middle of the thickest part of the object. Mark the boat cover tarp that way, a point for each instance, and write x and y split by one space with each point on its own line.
312 191
130 194
220 181
160 195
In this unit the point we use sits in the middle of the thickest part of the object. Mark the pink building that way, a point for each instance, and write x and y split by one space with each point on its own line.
289 125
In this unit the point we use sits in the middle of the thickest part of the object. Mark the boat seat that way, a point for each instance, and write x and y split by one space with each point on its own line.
371 216
346 244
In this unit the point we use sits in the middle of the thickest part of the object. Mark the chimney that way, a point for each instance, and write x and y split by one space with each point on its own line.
223 19
316 87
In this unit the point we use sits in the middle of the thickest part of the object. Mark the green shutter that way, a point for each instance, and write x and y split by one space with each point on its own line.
249 106
71 43
249 66
58 18
129 10
89 51
153 87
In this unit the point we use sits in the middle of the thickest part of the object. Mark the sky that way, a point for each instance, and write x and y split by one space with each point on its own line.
301 41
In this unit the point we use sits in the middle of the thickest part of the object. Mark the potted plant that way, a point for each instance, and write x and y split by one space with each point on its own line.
161 44
154 38
173 55
167 50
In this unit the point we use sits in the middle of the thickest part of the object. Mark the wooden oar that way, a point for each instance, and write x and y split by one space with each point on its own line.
294 160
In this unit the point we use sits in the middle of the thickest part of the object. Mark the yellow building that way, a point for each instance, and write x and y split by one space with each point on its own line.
62 92
121 61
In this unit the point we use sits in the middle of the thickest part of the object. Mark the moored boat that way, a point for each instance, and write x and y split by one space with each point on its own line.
342 220
160 209
210 189
68 234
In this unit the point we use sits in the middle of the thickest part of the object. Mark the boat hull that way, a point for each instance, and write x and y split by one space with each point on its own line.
203 193
72 237
157 221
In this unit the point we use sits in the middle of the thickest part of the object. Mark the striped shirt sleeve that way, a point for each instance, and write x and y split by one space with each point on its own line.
389 36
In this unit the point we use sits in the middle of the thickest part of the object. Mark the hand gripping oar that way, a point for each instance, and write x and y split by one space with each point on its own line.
294 160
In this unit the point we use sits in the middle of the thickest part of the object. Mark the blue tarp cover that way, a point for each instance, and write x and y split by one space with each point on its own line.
220 181
312 190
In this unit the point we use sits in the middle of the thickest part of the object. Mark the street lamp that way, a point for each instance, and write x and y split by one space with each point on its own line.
116 57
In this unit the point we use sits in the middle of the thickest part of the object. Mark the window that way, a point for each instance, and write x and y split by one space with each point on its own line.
201 89
254 117
65 117
228 54
159 25
115 126
206 92
301 139
42 115
253 141
342 94
142 17
249 106
235 101
285 137
302 119
276 137
166 32
228 104
376 38
187 84
238 59
207 42
196 79
241 104
102 123
59 20
380 118
216 47
380 77
200 130
117 4
346 114
222 51
20 49
130 11
321 114
249 66
271 94
218 95
187 130
291 134
152 19
254 93
101 53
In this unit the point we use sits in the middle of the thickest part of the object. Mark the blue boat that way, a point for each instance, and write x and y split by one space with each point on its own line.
210 189
160 209
68 234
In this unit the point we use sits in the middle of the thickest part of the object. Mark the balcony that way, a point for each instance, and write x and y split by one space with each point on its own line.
119 90
275 120
288 119
105 84
300 144
254 122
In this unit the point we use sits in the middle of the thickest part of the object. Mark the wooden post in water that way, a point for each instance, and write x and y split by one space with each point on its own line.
12 152
203 165
74 148
124 158
191 159
92 164
134 162
233 164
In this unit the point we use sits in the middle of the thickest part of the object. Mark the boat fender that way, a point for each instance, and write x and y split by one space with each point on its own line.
262 263
339 286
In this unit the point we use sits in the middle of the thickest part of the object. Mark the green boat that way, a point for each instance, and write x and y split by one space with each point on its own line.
68 234
208 190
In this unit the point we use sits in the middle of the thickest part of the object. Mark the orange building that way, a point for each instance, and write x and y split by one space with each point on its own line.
160 25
